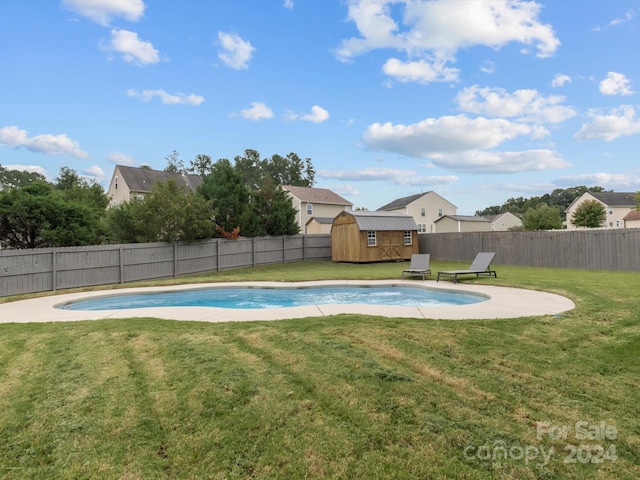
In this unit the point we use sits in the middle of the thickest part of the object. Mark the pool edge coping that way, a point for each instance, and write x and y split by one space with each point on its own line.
503 302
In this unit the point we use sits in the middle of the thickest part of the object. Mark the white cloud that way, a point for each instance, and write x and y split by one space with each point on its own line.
120 158
15 137
600 179
525 104
445 134
317 115
488 67
617 21
257 111
435 30
94 171
288 4
615 84
560 80
236 52
618 122
132 49
476 161
394 175
102 11
419 71
167 98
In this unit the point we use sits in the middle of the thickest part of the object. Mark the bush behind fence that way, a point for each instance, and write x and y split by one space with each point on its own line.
615 249
49 269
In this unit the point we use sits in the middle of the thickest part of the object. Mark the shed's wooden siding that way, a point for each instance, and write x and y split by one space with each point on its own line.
350 244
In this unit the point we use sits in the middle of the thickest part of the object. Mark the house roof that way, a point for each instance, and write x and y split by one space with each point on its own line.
616 199
404 201
466 218
493 218
316 195
143 179
324 220
382 221
632 215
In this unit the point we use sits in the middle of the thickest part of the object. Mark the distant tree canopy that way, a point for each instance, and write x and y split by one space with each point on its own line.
542 217
589 214
42 214
560 198
18 178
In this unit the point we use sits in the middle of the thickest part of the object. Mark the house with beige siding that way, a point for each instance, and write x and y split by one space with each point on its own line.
462 223
318 203
128 183
503 221
617 205
425 208
632 219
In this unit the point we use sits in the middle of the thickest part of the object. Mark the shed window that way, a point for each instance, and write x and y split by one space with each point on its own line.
371 238
408 238
309 208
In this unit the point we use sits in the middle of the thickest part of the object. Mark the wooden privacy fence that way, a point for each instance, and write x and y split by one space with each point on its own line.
48 269
615 249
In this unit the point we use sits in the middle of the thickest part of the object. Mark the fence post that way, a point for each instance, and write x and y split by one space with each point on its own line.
253 251
284 249
121 261
54 270
175 259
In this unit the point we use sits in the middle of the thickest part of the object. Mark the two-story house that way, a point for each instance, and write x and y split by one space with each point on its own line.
128 183
316 207
425 208
617 205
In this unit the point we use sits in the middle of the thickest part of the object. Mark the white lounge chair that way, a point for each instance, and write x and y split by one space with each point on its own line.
419 266
480 266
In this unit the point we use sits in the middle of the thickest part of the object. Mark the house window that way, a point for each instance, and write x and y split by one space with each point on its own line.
309 209
408 237
423 212
116 186
371 238
422 228
610 212
611 224
617 223
439 212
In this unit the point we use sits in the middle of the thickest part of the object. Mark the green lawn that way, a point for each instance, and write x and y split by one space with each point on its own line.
348 396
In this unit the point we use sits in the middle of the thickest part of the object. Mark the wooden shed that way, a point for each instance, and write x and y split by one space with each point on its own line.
363 236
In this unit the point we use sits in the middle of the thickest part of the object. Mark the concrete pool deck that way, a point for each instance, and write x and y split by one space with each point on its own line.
503 302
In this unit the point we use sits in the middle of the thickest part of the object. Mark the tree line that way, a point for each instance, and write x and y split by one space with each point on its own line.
235 198
547 212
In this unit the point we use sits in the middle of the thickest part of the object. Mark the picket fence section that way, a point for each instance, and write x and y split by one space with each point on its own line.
598 249
50 269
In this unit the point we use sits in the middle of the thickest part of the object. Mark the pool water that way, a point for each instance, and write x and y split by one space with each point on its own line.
252 298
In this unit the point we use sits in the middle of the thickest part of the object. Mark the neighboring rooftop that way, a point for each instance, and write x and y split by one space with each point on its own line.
467 218
316 195
143 179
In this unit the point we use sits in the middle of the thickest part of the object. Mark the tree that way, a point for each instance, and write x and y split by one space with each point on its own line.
200 165
170 213
18 178
174 163
273 207
289 170
589 214
229 198
37 215
122 222
542 217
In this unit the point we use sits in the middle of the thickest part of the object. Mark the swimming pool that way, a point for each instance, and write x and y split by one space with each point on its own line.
280 297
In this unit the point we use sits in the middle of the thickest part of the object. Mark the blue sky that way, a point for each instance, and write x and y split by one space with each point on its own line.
478 101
